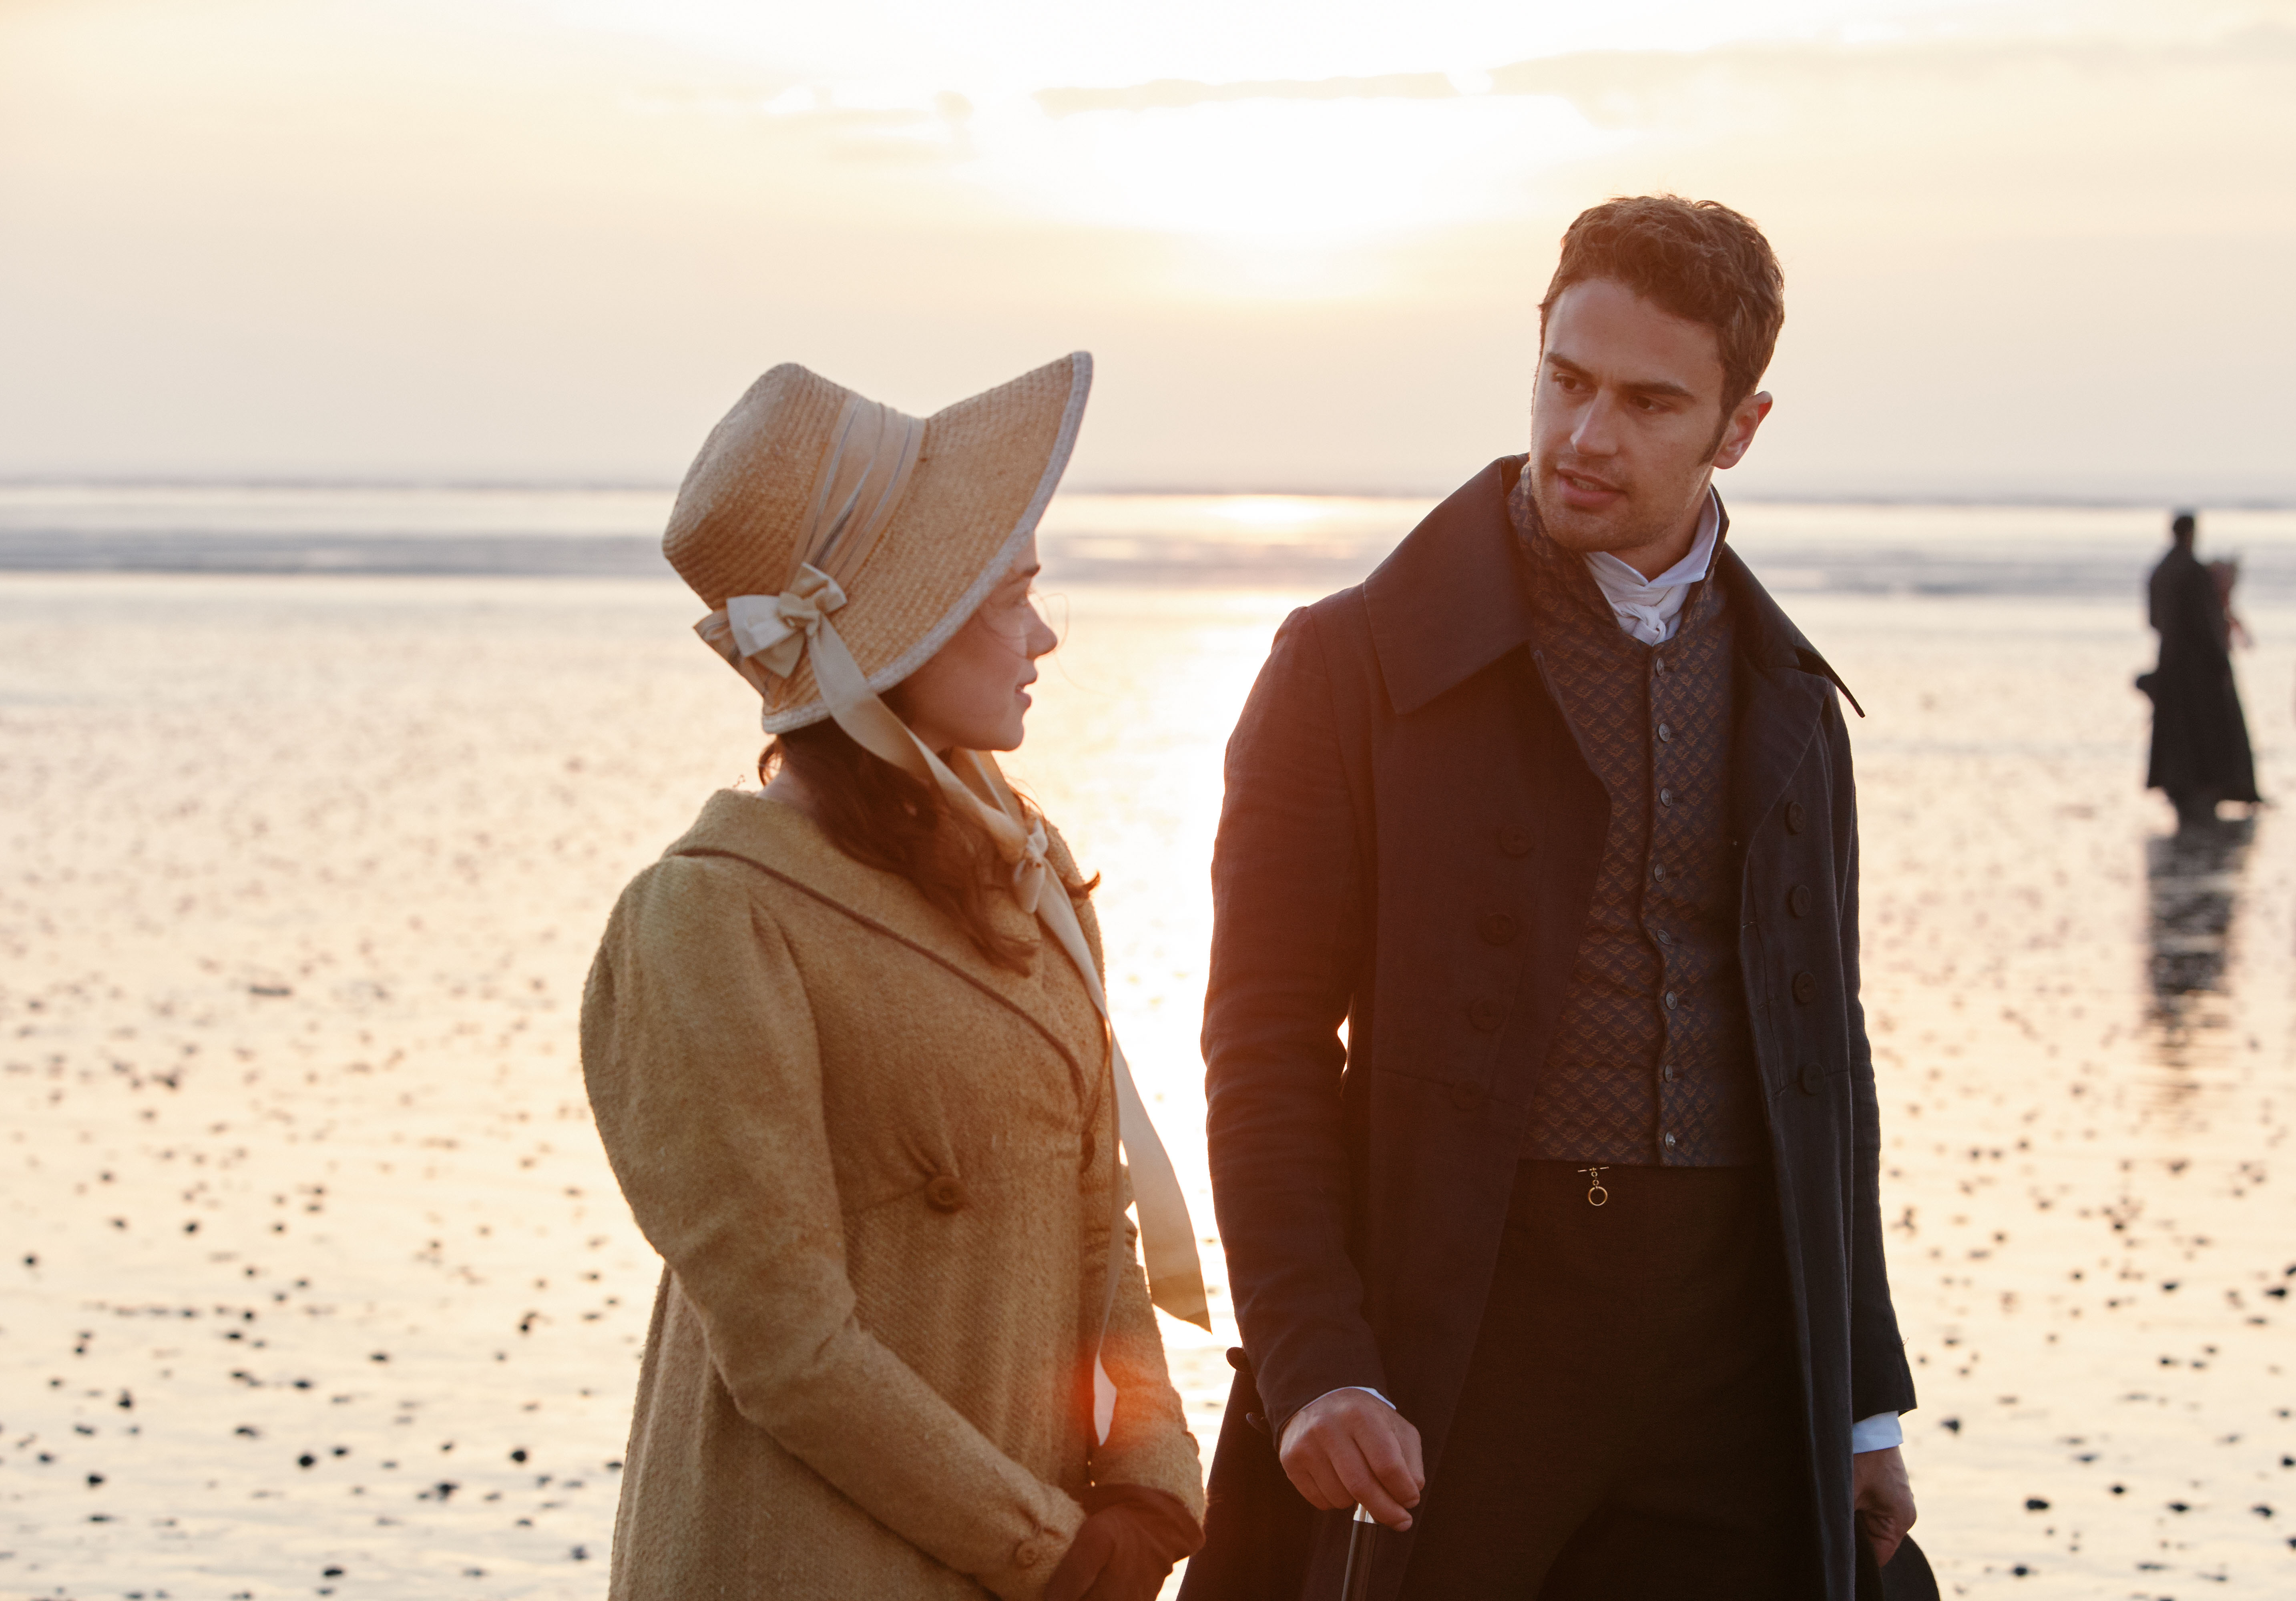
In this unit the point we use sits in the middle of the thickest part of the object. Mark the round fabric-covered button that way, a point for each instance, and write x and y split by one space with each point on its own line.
1811 1078
946 1193
1795 817
1805 987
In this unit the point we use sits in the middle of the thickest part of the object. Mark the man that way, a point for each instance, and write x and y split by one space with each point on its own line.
2199 739
1567 1264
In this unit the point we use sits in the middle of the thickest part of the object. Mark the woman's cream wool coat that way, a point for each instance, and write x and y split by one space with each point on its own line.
877 1170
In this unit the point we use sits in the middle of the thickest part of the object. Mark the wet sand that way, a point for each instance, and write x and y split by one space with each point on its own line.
315 1281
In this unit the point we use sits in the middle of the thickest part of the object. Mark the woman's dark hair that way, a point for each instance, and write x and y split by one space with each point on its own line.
883 818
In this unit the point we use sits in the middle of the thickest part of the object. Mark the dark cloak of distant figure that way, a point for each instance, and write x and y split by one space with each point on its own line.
2200 740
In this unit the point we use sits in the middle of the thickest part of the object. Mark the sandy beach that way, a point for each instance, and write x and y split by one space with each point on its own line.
316 1282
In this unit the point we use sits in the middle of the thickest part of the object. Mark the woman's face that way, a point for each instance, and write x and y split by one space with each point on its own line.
974 693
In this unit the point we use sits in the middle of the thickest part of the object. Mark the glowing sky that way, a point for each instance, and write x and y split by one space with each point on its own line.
2031 248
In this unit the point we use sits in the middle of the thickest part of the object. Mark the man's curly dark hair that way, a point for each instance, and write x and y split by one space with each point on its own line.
1697 259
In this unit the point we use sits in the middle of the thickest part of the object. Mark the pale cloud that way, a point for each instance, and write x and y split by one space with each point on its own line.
553 238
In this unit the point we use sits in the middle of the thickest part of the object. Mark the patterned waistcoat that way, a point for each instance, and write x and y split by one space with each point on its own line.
1653 1063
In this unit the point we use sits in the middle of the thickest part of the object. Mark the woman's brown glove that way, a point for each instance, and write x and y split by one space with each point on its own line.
1131 1537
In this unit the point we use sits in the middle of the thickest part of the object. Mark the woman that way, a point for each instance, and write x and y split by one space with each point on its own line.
848 1048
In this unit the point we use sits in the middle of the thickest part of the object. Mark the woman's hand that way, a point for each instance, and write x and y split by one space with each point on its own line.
1132 1536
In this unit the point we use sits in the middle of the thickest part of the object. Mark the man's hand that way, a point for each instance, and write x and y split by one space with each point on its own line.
1881 1494
1351 1449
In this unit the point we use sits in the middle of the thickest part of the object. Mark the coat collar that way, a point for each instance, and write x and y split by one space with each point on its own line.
786 844
1449 601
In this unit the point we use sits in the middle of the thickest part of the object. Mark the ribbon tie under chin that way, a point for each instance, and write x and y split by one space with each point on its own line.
1029 870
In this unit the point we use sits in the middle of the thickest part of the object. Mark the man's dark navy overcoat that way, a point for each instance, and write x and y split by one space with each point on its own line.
1405 858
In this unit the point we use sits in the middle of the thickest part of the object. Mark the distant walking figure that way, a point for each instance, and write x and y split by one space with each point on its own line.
2200 740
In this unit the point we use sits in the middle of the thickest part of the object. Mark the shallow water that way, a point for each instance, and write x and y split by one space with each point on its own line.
302 877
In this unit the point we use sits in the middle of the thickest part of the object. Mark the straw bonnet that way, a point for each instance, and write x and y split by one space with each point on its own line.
810 502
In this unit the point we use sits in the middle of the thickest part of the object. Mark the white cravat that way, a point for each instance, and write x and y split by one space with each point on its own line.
1647 607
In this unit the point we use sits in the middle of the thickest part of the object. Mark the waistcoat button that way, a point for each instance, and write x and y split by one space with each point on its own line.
1658 663
1805 987
1497 929
1665 798
1666 1072
1795 817
1670 1142
1811 1078
1798 899
1665 731
1657 871
1670 1000
1483 1012
1514 839
1466 1096
944 1193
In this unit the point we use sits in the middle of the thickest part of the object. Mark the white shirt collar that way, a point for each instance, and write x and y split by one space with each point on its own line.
1648 608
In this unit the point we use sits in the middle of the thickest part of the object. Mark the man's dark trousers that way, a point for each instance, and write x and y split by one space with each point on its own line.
1628 1425
1407 848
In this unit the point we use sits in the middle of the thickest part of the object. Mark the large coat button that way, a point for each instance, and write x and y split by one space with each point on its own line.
1795 817
1466 1096
1798 899
946 1193
1805 987
1811 1078
1483 1012
1497 929
1514 839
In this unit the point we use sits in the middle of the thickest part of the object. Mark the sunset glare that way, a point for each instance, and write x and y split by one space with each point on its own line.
547 241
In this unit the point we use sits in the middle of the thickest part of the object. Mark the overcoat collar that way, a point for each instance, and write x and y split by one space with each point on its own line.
784 843
1449 601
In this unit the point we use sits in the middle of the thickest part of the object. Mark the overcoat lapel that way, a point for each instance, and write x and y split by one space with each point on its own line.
1782 697
782 841
1449 601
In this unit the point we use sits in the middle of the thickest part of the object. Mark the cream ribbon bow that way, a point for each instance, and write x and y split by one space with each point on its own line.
774 630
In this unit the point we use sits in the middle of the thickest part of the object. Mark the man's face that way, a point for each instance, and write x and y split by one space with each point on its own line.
1626 425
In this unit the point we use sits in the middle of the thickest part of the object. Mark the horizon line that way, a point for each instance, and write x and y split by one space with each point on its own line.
2268 501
